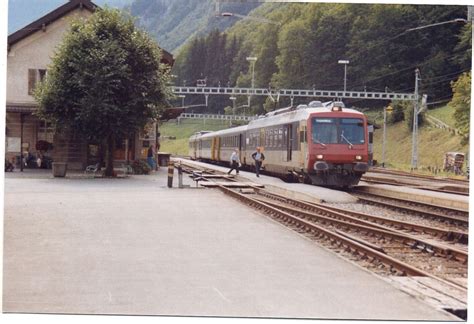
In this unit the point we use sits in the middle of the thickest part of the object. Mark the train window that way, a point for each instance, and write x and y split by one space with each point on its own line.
353 130
338 131
280 137
325 130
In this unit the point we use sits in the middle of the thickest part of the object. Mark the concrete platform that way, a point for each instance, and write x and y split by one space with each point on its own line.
132 246
426 196
292 190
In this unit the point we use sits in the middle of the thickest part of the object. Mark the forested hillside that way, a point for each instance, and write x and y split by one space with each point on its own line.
303 49
173 22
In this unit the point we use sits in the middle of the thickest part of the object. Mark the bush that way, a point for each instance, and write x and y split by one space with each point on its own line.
398 113
140 167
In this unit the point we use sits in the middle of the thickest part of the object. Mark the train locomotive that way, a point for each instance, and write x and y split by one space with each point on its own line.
323 144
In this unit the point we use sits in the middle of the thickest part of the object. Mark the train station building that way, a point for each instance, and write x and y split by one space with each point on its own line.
30 50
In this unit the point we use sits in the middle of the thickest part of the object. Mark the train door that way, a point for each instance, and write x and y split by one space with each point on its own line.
303 144
213 148
239 145
194 149
218 148
370 130
287 135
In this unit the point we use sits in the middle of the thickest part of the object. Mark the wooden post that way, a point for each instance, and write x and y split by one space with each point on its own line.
21 141
170 174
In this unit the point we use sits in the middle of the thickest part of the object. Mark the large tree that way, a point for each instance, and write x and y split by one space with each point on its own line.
461 103
105 81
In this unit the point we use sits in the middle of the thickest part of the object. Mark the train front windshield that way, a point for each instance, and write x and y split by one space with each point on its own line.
338 131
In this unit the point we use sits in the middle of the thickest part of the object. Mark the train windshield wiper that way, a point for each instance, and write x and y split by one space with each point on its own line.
318 142
345 139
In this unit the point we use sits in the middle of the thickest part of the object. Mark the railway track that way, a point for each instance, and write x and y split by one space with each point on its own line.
388 247
395 252
431 211
453 235
419 176
463 191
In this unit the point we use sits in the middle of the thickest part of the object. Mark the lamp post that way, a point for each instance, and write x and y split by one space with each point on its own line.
416 111
345 62
182 100
252 60
385 110
233 104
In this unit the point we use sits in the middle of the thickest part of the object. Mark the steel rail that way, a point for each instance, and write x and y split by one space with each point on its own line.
411 226
395 182
420 176
348 221
345 242
378 200
409 201
447 235
464 221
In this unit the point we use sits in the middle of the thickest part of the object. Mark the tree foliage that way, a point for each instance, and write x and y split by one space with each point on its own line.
461 103
105 81
303 50
398 112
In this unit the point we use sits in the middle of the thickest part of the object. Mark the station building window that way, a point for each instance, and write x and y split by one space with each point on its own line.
45 132
35 76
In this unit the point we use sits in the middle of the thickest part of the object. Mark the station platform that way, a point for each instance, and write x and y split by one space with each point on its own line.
320 194
291 190
425 196
133 246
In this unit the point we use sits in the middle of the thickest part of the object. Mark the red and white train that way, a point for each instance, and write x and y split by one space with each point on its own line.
322 144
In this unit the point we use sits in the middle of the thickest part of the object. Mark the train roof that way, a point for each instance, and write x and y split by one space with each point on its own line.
294 114
281 116
226 131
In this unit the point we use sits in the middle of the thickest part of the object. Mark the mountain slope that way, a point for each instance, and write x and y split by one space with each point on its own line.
173 22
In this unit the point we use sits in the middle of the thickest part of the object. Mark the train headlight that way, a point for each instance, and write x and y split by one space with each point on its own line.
319 157
358 157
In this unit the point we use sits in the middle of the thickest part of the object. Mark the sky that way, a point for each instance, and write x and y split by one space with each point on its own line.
23 12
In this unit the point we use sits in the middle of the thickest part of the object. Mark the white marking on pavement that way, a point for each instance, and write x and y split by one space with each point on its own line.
220 294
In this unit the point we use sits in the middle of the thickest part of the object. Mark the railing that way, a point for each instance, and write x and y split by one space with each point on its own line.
294 93
216 117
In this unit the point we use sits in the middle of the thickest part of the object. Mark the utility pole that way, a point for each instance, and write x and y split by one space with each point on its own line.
252 60
414 150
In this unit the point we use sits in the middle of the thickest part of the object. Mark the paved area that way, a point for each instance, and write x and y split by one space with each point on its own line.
132 246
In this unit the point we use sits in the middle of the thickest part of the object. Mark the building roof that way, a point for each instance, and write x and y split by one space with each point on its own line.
56 14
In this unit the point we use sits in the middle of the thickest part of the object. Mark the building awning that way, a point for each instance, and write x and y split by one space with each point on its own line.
21 108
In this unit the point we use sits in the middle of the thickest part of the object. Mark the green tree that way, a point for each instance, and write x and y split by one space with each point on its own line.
105 81
461 103
398 113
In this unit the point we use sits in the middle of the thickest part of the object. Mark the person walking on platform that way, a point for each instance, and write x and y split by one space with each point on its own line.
234 161
150 159
258 157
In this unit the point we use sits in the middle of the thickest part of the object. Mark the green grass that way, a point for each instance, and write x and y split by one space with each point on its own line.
183 131
444 114
433 143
